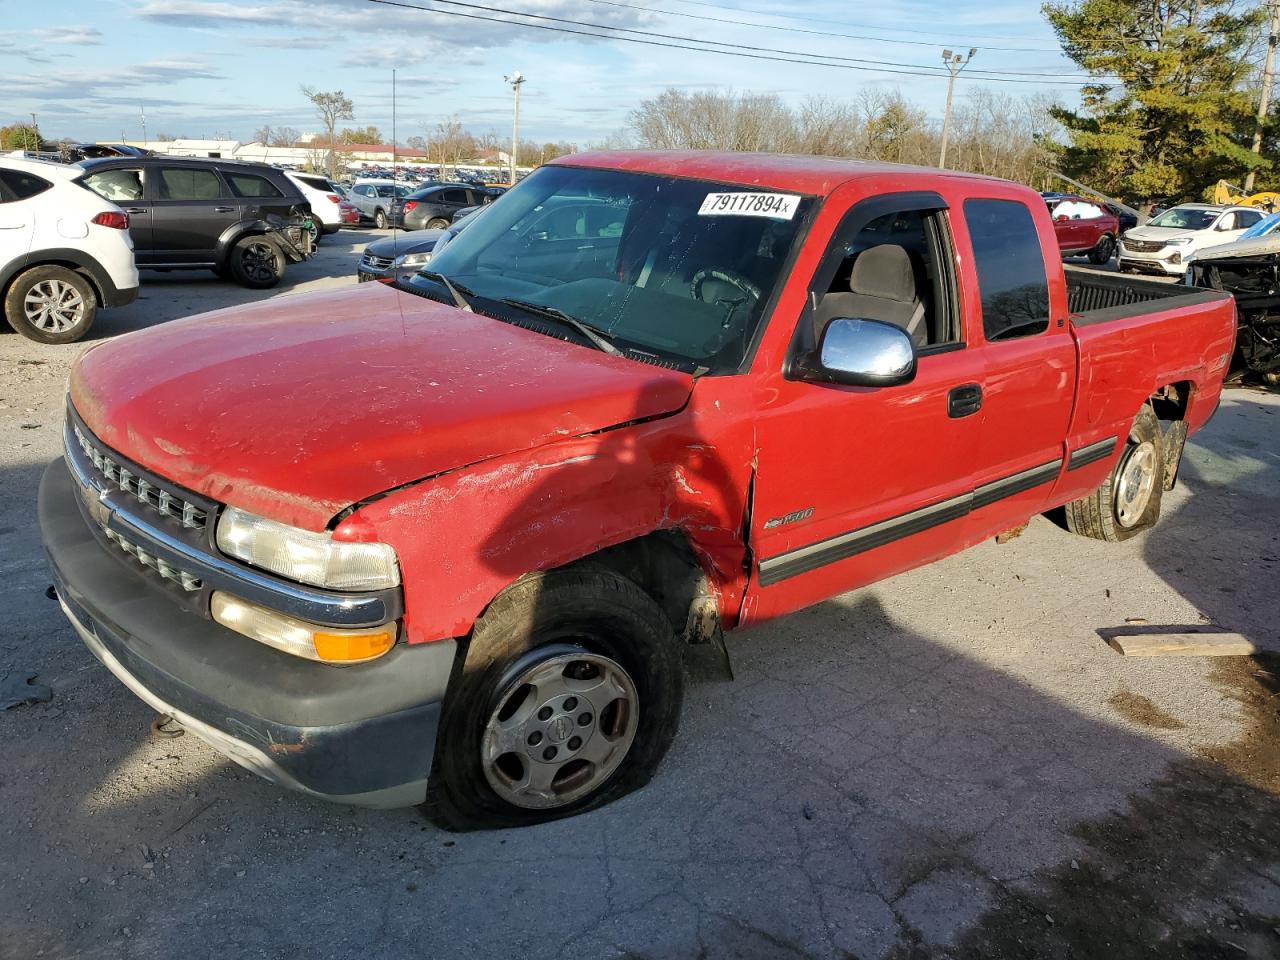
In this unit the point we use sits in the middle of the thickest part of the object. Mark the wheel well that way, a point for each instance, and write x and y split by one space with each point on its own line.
73 267
664 565
1170 401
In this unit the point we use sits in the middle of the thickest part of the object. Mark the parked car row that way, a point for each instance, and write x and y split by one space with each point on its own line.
73 236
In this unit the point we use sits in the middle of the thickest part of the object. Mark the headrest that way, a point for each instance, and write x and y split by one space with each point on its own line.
884 271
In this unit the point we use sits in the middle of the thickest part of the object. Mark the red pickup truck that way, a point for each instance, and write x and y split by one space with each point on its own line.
440 541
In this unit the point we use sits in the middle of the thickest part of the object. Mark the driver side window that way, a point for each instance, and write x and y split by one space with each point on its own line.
895 269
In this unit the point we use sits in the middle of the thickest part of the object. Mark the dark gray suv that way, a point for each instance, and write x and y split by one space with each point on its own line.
244 221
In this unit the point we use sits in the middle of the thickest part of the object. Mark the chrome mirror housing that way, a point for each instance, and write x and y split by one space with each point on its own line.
868 353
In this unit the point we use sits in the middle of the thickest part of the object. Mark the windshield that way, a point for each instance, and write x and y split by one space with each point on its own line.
1186 218
1263 227
677 269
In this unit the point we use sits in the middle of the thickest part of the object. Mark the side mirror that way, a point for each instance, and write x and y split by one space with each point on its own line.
1061 217
864 353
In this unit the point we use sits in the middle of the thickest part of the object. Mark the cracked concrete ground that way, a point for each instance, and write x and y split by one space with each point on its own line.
950 763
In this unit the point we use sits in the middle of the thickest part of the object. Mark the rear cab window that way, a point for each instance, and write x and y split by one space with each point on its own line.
1010 267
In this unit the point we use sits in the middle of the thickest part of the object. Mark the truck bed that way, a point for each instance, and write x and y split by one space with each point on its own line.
1094 297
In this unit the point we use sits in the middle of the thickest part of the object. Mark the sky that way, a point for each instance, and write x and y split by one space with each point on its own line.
90 69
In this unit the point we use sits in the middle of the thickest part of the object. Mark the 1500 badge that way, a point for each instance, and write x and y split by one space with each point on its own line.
792 517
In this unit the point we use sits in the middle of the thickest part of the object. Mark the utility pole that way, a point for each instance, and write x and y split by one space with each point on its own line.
955 63
35 134
515 79
144 126
1264 97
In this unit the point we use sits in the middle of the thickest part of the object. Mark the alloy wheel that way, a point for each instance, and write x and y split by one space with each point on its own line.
562 724
54 306
259 261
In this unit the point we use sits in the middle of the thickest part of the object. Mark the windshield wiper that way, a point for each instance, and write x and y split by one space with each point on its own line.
595 335
455 290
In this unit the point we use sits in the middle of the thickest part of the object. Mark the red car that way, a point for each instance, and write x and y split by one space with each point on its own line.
1084 228
441 540
348 212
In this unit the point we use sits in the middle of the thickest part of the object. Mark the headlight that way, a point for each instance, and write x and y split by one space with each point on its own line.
314 558
328 644
1178 241
413 260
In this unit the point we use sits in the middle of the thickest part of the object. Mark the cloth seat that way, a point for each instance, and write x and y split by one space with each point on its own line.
882 286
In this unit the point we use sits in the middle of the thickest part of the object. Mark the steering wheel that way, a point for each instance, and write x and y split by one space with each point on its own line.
749 290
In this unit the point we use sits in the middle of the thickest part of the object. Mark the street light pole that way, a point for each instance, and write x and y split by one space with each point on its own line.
955 63
515 79
1264 97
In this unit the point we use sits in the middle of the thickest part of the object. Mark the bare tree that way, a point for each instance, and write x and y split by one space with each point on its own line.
331 108
448 142
263 134
284 137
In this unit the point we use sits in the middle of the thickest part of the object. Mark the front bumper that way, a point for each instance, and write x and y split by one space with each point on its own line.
1160 261
363 734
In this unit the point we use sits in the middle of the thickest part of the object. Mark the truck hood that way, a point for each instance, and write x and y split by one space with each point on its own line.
298 407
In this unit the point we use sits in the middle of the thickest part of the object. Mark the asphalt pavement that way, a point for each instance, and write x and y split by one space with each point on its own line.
951 763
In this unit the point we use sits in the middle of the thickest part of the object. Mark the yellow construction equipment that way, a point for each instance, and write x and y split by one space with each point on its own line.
1229 194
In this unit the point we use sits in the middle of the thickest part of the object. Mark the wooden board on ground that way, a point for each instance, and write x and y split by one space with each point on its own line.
1182 645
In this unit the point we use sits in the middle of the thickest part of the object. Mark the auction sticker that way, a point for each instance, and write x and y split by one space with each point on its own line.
780 206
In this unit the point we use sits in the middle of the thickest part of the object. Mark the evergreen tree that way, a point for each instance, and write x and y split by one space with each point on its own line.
1170 109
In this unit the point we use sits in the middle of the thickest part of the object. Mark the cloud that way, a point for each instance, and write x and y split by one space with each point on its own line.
72 36
78 84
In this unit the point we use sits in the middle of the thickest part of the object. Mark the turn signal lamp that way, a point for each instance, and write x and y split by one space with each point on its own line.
302 639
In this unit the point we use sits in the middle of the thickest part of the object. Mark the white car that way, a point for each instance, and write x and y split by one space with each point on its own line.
1163 244
324 200
64 251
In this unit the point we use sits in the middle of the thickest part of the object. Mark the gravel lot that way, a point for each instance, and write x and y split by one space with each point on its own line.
950 763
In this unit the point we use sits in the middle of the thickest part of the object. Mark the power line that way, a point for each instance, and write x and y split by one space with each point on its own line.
818 33
684 43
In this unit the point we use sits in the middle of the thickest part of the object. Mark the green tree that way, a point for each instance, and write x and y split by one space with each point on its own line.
1169 108
19 136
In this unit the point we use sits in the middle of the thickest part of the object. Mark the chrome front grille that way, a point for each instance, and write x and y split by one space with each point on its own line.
371 262
1143 246
166 570
164 502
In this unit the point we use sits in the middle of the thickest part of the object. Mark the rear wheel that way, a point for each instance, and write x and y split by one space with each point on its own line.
1103 251
380 219
1128 501
569 698
256 262
437 223
51 304
316 231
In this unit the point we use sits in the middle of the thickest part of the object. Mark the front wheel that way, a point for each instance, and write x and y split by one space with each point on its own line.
1128 501
380 220
316 232
256 262
1101 253
569 698
51 304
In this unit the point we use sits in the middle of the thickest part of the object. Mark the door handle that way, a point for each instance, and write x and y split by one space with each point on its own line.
223 209
134 211
964 400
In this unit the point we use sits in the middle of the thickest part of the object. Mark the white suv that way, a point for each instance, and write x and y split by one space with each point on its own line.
326 216
64 251
1164 244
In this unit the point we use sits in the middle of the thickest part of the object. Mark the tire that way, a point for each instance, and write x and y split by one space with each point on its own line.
1128 501
1101 253
437 223
380 219
316 231
51 304
549 627
256 262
